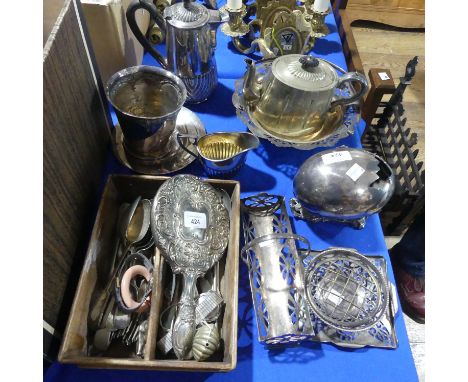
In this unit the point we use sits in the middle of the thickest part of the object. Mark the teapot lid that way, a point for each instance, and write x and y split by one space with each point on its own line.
187 15
304 72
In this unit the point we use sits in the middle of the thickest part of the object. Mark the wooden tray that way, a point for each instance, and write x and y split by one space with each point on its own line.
125 188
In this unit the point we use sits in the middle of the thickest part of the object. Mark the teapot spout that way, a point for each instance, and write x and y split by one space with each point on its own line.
251 89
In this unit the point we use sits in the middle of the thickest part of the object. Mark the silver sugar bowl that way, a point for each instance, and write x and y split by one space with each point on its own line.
294 94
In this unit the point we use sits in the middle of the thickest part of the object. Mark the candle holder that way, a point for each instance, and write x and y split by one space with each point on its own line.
236 26
284 26
289 33
317 22
156 35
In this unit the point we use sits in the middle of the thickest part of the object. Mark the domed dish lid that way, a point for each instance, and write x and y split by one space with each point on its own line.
304 72
187 15
345 290
344 183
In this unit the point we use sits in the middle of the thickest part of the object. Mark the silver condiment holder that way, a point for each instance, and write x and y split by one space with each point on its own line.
276 272
276 266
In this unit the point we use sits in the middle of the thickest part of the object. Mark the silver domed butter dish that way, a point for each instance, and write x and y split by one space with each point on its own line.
345 185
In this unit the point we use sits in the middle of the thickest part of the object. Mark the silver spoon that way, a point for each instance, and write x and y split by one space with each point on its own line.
210 302
135 226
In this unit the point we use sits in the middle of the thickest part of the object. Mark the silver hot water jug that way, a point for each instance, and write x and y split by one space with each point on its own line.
190 34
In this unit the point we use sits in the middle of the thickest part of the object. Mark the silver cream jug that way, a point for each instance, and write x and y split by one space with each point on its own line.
190 34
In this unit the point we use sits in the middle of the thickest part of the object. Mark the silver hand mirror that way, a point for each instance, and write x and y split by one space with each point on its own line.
190 226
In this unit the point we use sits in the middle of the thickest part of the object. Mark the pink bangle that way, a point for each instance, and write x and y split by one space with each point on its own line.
132 272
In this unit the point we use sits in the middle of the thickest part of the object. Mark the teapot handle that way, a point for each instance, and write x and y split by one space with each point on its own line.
156 16
181 143
350 77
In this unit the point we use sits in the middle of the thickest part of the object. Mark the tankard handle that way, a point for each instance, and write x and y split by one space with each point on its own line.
181 144
134 6
350 77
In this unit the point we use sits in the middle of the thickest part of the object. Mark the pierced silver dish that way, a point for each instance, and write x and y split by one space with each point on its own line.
346 290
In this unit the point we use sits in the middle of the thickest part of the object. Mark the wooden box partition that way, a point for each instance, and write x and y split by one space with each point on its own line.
125 188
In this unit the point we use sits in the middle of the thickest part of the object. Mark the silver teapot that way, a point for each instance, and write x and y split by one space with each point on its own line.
293 95
190 31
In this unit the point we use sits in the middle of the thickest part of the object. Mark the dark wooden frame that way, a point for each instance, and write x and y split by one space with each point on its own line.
75 145
387 136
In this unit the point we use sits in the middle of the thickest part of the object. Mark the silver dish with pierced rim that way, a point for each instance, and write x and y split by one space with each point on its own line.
277 103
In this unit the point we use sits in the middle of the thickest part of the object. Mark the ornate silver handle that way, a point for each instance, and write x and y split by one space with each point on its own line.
350 77
134 6
258 43
183 330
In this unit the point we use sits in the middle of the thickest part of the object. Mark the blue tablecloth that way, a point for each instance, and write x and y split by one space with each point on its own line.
272 169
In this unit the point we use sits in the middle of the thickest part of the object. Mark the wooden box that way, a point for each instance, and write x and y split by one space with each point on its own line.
124 188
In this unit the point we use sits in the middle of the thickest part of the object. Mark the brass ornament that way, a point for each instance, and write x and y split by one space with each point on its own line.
289 33
268 10
284 27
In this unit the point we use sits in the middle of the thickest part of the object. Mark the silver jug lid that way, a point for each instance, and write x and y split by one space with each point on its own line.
304 72
187 15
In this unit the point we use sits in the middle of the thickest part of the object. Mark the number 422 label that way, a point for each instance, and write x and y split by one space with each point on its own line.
194 219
